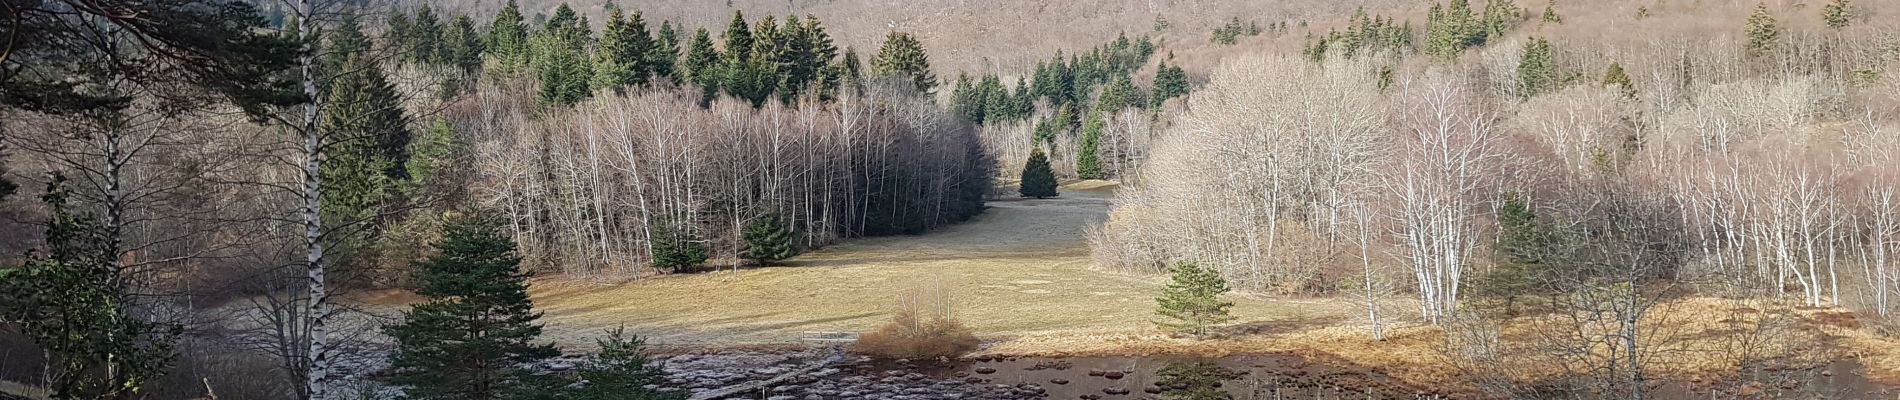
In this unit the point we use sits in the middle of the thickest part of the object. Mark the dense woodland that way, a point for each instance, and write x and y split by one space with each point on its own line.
187 193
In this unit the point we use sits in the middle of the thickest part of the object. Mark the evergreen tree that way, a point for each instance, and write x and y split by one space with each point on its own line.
72 302
369 142
1550 13
432 155
902 55
1038 180
620 60
675 251
462 46
665 54
424 39
1522 254
1191 301
620 372
1838 13
738 39
768 239
1615 77
1088 162
702 64
508 39
1170 82
1537 70
1117 94
560 58
850 69
1763 32
470 339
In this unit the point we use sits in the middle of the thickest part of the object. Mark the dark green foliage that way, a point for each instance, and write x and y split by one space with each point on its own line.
620 372
478 326
1231 32
432 158
368 141
560 58
1537 69
1038 180
1119 93
675 251
665 54
1615 77
422 41
1523 255
1191 302
1762 32
1364 34
702 63
508 40
621 57
1838 13
902 55
1088 160
57 53
1170 82
71 301
769 239
1450 29
987 100
462 47
1384 77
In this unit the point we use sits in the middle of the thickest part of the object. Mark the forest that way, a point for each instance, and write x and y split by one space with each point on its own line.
368 199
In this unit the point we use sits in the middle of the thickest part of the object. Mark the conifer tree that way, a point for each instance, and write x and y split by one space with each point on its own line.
620 371
850 70
469 340
462 46
508 39
1088 162
560 58
768 239
1170 82
1191 302
1550 13
1039 181
1838 13
1762 31
1615 77
1537 70
665 54
675 251
702 63
71 301
902 55
370 142
620 59
424 39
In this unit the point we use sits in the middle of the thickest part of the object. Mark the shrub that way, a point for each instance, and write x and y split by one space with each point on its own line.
923 327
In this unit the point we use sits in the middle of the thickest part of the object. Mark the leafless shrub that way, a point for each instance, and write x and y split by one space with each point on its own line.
925 327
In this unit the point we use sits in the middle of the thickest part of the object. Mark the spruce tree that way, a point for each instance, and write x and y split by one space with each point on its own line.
1038 180
1088 162
1615 77
1550 13
71 301
1762 32
768 239
1170 82
369 148
470 339
424 40
1537 69
620 372
1838 13
560 58
702 64
508 39
665 53
620 59
675 251
902 55
1191 302
1523 255
462 46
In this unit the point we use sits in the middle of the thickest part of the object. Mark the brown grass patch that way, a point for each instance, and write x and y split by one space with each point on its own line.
925 327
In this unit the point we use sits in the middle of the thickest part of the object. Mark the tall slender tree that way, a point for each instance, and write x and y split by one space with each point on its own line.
469 340
903 56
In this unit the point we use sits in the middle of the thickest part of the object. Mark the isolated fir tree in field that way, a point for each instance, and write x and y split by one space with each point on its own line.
620 372
1838 13
769 239
1038 180
1088 161
1762 32
469 339
1615 77
1191 302
71 301
675 251
1537 70
902 55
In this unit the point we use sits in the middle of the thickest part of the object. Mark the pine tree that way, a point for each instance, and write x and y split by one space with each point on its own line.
71 301
469 340
508 39
768 239
560 58
1191 301
1550 13
702 64
1525 244
1537 70
1170 82
369 145
620 59
1038 180
1088 162
1838 13
1615 77
462 46
665 53
902 55
424 40
620 372
1762 32
675 251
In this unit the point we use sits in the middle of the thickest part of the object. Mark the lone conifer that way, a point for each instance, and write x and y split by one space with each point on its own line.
768 239
1038 180
1191 302
478 326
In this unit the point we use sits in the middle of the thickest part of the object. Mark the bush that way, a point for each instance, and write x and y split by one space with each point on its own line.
924 327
